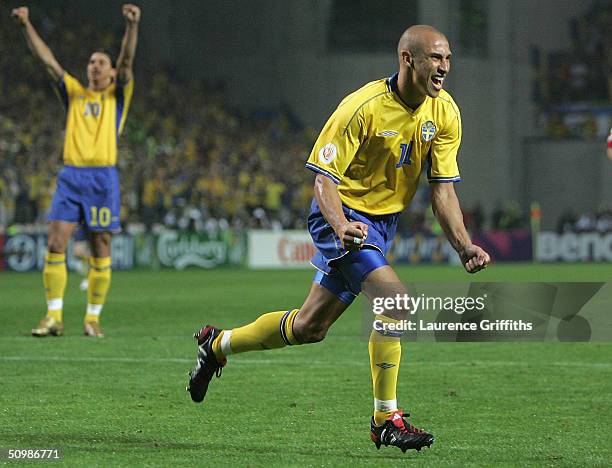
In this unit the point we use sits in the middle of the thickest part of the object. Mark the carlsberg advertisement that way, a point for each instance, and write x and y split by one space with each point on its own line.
167 249
179 249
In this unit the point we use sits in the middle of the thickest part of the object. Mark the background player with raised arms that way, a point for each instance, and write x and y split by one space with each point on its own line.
368 159
88 185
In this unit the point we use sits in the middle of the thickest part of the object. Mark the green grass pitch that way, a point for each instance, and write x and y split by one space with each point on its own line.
121 400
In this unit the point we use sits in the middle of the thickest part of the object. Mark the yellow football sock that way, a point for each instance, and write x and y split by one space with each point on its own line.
385 354
92 317
269 331
99 278
54 279
57 314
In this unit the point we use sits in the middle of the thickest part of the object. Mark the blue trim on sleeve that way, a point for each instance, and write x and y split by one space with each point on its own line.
438 179
63 91
443 180
314 168
120 99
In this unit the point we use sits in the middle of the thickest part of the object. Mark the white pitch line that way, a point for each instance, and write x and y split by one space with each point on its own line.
279 362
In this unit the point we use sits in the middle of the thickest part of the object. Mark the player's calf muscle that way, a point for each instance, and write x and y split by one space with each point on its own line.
318 313
309 331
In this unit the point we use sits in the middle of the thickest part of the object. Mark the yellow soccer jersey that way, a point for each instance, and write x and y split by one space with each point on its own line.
94 121
375 147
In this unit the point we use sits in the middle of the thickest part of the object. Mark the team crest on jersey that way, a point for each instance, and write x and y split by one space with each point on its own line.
328 153
428 130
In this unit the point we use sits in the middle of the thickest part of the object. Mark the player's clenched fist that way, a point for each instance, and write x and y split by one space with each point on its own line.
353 235
474 258
131 13
20 14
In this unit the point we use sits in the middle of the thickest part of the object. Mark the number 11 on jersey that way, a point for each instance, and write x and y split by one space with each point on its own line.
406 149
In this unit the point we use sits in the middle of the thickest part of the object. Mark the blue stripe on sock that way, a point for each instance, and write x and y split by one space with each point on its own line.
283 322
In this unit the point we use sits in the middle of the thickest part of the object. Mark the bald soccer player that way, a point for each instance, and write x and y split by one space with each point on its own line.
368 160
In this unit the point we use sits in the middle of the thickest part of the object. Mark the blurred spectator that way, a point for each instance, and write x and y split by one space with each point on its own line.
474 218
573 87
556 127
566 223
599 221
508 216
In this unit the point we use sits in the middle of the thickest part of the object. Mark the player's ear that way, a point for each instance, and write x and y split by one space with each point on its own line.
406 58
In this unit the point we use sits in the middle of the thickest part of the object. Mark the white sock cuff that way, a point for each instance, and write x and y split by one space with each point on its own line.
385 405
94 309
225 343
55 304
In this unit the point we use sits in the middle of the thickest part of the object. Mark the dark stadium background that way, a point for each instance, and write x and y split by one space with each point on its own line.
229 98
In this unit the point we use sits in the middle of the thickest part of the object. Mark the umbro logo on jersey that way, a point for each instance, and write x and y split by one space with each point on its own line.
385 365
387 133
428 130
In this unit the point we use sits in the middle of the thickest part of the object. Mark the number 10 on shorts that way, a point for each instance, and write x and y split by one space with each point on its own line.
100 216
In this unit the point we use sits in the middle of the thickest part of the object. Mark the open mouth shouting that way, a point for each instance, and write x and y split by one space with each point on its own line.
437 82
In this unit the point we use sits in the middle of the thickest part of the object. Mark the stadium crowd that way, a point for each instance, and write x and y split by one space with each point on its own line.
183 151
187 160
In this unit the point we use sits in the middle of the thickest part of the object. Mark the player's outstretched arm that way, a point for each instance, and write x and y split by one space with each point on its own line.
352 234
446 207
38 47
131 13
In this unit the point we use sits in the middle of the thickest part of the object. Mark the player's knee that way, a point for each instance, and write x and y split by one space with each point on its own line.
55 244
100 244
310 332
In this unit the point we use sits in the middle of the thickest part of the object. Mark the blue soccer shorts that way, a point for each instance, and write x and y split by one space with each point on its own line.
88 195
341 271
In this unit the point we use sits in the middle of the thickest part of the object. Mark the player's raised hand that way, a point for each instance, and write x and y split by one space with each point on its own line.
21 15
474 258
131 13
353 235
